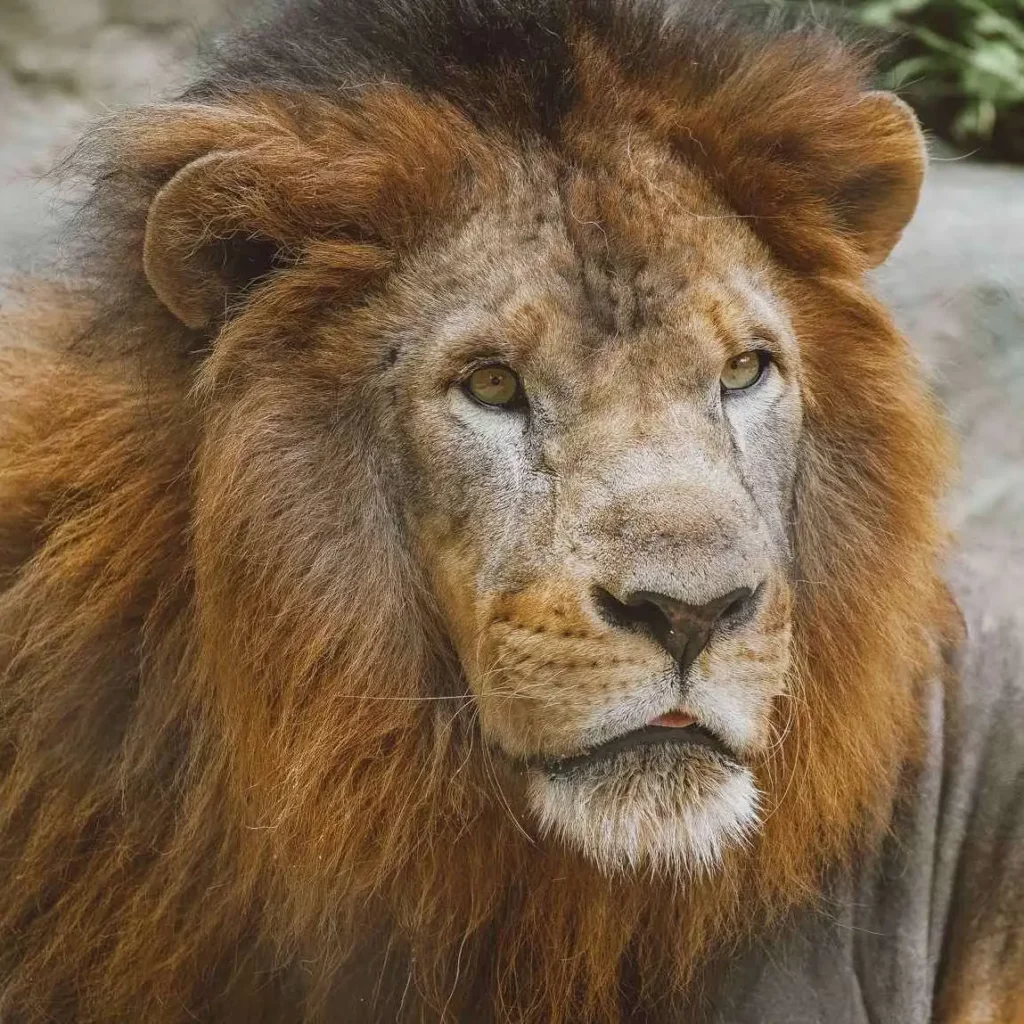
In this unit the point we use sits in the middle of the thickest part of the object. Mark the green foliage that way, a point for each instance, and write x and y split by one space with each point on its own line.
961 62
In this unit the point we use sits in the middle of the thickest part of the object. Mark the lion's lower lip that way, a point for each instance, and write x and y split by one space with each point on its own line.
651 735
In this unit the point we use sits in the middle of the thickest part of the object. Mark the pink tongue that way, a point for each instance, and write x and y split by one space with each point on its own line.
673 720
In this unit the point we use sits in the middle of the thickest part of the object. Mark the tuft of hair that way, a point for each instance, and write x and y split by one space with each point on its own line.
238 780
672 827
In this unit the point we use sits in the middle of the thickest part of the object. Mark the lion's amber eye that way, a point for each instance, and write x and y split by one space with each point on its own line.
744 370
494 385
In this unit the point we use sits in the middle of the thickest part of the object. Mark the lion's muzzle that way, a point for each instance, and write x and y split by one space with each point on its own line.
682 629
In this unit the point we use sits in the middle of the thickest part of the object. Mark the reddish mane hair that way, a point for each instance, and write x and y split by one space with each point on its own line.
226 786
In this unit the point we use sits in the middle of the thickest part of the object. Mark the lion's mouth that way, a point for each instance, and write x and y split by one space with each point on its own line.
655 735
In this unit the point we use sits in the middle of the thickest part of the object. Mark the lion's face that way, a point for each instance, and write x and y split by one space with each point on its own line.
616 401
599 483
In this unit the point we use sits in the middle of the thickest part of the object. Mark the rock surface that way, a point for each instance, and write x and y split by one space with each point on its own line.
64 63
956 285
955 282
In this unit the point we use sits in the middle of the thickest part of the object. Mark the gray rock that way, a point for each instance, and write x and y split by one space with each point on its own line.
956 285
59 73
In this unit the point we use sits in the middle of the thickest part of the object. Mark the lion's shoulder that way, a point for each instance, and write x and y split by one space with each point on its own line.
930 928
978 891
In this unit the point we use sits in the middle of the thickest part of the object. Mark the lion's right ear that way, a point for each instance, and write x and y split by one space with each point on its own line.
205 241
262 192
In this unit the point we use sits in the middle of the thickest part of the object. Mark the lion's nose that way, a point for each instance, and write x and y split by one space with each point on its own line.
684 630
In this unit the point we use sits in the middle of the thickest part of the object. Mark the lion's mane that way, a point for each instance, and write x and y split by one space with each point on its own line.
238 777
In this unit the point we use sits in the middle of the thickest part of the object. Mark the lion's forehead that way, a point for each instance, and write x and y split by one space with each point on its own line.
639 274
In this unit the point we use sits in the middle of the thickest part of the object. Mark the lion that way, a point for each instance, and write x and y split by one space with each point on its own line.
470 547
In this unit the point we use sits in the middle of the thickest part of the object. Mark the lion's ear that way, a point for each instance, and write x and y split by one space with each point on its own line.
875 201
247 192
256 190
206 240
834 187
829 178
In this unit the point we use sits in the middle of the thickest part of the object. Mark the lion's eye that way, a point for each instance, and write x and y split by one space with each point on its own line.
745 370
494 385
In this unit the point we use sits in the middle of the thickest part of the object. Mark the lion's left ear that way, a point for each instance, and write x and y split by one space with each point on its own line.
829 174
874 202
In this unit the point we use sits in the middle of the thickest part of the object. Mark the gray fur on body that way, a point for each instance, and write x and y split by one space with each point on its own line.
947 882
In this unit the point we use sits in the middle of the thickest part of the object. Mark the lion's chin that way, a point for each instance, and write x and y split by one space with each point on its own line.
666 810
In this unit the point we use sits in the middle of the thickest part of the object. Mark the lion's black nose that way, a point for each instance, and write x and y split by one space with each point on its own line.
682 629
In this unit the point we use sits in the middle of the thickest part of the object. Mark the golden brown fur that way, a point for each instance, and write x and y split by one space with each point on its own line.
240 773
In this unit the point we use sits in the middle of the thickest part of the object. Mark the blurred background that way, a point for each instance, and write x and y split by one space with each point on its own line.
955 282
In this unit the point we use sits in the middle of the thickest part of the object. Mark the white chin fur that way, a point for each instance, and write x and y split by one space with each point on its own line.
669 822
